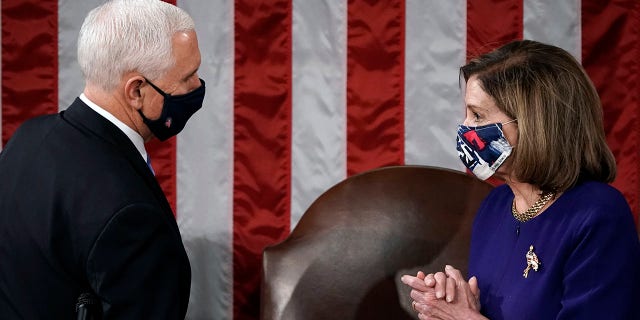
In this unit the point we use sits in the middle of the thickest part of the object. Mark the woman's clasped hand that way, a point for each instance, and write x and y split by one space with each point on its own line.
444 295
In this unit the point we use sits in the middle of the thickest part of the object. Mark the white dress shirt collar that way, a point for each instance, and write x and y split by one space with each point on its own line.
135 137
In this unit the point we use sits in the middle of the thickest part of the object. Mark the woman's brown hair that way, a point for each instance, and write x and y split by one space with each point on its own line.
561 138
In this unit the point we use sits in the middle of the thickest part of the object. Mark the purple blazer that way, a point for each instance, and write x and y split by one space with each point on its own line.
588 253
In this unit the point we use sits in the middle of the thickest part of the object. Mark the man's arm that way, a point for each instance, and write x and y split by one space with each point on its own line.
138 267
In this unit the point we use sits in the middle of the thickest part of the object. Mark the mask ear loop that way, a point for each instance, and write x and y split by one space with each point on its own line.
162 93
510 121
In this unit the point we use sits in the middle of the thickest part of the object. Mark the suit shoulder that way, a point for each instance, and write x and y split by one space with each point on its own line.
34 127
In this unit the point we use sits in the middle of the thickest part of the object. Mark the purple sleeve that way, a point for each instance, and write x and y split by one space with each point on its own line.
602 273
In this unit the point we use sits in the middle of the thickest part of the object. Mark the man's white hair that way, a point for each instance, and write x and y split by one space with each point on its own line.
129 35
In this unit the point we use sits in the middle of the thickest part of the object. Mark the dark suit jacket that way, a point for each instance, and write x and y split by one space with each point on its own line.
80 210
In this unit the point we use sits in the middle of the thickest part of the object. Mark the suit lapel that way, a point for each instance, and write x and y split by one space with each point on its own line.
80 115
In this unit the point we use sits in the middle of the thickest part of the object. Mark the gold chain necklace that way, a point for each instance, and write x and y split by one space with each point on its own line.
533 210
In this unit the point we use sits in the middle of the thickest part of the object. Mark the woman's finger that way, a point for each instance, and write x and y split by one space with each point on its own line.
451 289
453 273
441 282
429 280
473 285
414 282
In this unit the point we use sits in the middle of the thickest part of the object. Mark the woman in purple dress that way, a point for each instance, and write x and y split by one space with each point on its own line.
555 241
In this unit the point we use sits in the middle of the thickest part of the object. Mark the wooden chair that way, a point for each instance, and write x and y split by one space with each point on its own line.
344 258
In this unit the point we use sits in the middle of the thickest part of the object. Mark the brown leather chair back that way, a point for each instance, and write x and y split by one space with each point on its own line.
341 260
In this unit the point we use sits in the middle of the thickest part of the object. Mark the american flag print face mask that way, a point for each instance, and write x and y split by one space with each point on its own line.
483 149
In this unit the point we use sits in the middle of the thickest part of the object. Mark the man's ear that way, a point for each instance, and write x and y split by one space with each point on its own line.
132 92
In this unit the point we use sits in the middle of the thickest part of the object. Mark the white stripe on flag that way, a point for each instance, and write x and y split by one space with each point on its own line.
554 22
319 101
70 17
435 50
205 167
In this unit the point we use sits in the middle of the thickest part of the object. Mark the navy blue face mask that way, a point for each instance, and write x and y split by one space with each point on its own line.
176 111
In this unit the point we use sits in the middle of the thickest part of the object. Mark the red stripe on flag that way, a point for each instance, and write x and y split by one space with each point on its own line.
491 24
29 62
611 56
375 84
262 142
163 160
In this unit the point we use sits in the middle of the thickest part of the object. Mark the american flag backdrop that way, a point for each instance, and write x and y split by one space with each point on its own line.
304 93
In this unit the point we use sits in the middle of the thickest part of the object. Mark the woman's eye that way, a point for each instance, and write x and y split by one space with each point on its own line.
476 117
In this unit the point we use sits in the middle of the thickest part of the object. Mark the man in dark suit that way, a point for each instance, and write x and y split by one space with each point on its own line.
80 208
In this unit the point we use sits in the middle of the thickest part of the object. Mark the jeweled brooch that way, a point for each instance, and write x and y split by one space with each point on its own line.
532 262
